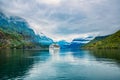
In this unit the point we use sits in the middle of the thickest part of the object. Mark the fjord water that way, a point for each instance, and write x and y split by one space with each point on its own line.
60 65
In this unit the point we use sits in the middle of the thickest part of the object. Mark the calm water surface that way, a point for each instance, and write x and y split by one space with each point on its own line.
60 65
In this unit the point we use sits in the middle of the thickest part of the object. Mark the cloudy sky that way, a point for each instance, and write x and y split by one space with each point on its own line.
67 19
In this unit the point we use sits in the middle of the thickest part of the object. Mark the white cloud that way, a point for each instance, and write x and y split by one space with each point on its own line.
49 2
67 19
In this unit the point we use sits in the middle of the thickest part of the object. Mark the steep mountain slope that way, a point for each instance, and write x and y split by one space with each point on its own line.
107 42
15 32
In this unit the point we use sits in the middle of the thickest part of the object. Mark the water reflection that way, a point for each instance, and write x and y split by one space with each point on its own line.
60 65
107 56
54 51
13 64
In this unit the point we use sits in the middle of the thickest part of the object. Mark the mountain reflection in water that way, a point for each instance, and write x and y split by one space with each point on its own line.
60 65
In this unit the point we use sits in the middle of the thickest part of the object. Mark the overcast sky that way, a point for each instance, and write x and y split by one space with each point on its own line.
67 19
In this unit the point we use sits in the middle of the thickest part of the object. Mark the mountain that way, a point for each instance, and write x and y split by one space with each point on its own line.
75 43
15 32
105 42
64 44
44 40
79 42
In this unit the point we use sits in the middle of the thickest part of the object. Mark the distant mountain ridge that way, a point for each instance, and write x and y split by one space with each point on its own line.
75 43
15 32
63 44
79 42
105 42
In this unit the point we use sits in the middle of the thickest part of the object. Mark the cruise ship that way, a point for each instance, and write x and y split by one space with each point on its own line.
54 46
